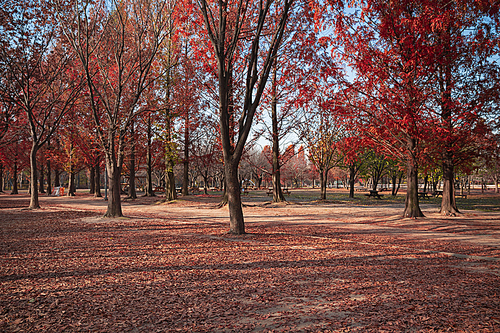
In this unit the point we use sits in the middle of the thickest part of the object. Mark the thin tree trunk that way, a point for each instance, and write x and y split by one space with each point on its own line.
352 178
14 179
185 174
277 191
49 178
149 162
41 180
1 178
97 179
91 180
34 204
132 194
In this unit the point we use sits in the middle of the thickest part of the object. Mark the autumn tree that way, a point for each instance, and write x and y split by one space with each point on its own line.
385 44
463 38
116 43
42 82
237 27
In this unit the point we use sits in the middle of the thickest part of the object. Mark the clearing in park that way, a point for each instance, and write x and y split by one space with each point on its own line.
304 266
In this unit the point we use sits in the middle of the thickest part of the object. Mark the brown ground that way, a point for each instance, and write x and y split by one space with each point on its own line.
304 266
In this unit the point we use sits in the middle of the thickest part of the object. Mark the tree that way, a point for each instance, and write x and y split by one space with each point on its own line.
235 27
116 43
42 83
386 46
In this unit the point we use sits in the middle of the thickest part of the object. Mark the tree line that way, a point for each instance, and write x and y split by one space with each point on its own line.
156 84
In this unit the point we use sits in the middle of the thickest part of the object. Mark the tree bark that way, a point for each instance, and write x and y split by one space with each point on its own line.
71 183
57 178
97 179
236 221
185 175
14 179
132 194
49 178
277 192
412 207
149 161
352 179
41 180
323 175
91 180
1 178
448 203
34 204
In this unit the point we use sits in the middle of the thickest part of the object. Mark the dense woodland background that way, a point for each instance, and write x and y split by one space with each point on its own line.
212 94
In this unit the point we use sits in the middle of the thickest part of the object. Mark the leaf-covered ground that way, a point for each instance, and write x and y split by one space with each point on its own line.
169 268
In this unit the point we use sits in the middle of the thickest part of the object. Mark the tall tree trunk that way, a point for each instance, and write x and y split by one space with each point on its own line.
41 180
185 174
97 179
57 178
448 203
91 179
49 178
323 175
352 179
236 221
149 161
412 207
71 183
132 194
114 200
14 179
34 204
1 177
277 191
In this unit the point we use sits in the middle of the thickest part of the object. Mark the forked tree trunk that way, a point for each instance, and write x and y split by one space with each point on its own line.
412 207
448 203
